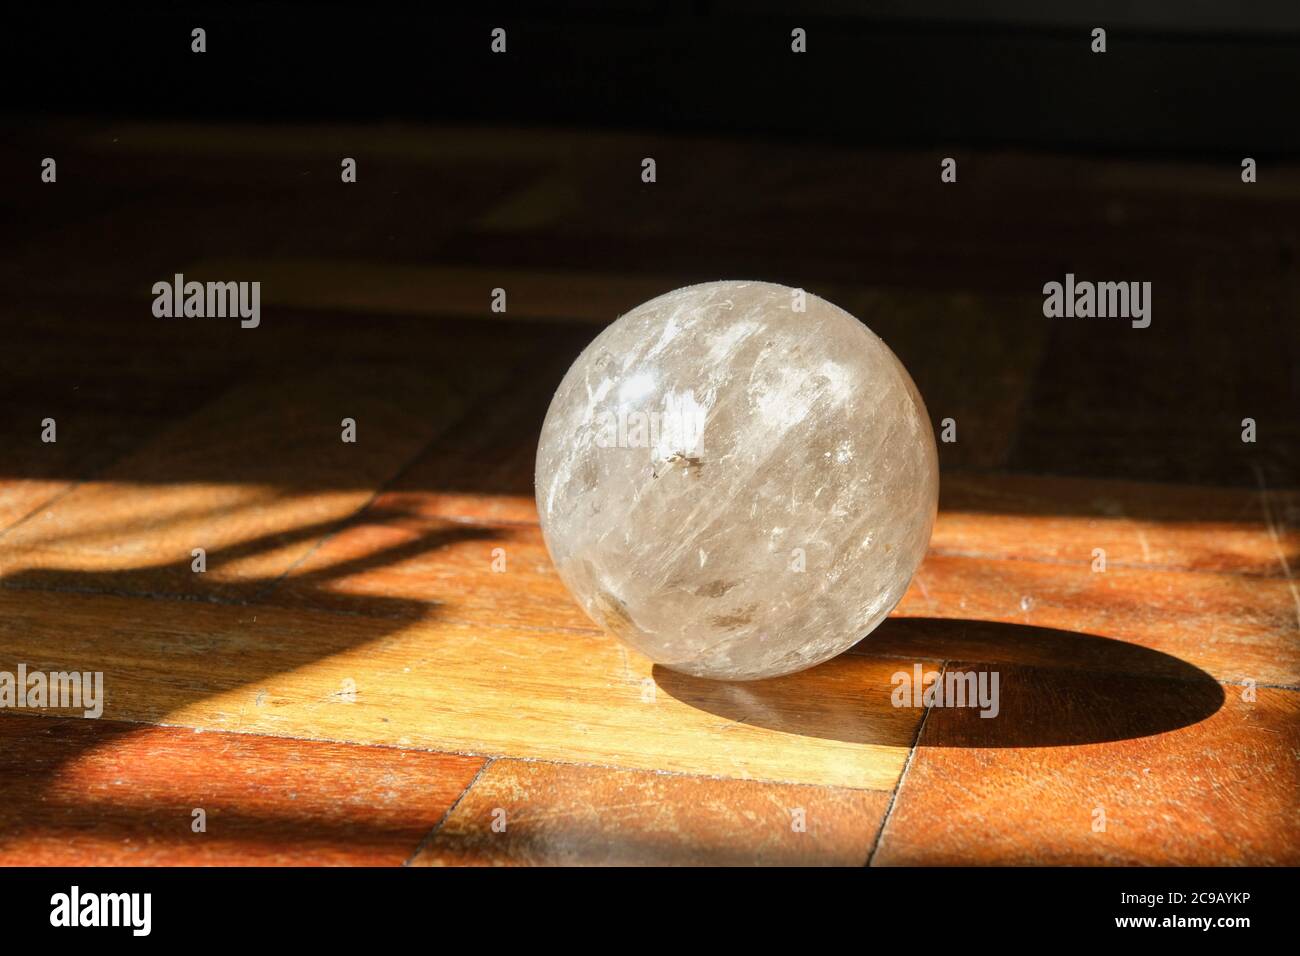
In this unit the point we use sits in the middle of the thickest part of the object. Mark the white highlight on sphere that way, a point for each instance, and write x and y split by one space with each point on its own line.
792 523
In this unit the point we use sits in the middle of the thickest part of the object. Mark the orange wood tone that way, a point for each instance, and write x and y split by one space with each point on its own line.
394 561
1234 627
1178 772
74 792
536 813
359 648
1136 524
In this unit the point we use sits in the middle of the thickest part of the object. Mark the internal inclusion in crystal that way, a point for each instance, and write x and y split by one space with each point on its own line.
786 536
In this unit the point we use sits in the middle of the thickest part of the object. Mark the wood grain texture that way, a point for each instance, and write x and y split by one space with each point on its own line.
1042 604
392 560
80 389
537 813
256 478
1231 626
1078 422
1218 790
337 570
575 696
1137 524
482 469
78 792
985 409
386 288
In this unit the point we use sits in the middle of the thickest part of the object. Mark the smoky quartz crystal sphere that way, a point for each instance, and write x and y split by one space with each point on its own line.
738 479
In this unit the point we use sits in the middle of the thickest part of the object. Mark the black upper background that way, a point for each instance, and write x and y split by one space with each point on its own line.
1192 84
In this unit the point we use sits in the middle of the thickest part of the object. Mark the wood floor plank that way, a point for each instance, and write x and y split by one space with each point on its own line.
1101 404
1234 627
444 290
256 478
984 235
109 220
78 388
397 593
179 367
457 530
1219 786
574 696
537 813
940 340
393 560
100 793
482 469
195 360
1130 619
1170 527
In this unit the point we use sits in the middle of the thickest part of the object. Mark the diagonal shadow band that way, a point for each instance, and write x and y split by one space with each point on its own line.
1054 688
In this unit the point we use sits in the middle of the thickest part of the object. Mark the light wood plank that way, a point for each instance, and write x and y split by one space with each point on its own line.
568 696
395 561
1232 626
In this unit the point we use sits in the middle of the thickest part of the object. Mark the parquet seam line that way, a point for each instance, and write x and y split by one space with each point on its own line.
902 776
428 837
261 598
344 523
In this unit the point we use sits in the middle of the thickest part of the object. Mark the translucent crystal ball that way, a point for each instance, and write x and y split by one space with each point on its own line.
737 479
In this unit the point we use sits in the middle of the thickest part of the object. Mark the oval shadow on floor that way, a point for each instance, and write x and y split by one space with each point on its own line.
1053 688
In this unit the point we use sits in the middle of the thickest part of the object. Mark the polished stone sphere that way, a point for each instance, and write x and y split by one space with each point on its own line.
737 479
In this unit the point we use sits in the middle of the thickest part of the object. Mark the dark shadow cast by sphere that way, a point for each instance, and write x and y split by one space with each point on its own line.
1053 688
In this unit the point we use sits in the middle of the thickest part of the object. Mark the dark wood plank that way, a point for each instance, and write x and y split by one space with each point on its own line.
1185 774
1136 524
102 793
1231 626
547 814
256 478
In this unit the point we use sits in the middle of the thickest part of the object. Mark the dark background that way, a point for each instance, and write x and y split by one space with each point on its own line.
817 170
1177 77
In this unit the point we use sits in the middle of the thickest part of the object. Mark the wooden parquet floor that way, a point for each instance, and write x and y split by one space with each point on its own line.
353 680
